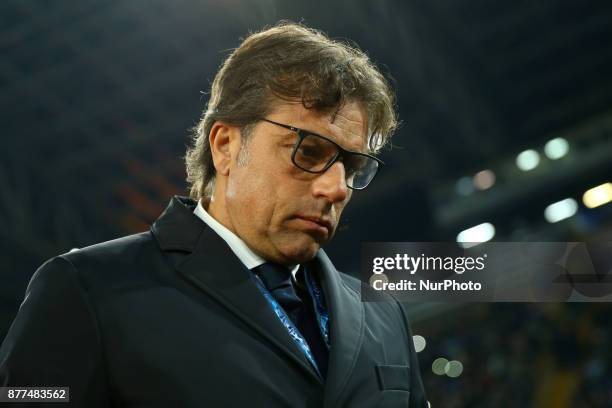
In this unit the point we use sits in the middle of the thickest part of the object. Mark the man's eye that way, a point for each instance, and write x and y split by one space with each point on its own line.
354 164
307 151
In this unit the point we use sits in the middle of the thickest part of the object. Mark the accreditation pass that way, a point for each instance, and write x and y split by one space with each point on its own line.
34 394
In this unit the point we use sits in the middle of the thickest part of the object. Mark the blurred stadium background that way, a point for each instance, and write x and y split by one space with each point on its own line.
507 123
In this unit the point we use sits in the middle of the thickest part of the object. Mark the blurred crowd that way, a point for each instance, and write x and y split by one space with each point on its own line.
540 355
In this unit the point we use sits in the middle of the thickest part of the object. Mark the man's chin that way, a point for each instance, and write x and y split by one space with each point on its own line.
298 252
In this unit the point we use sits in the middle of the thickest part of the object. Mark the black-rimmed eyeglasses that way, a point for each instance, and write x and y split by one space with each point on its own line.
314 153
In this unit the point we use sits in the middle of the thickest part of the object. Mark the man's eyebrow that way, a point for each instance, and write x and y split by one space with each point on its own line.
286 135
362 148
284 132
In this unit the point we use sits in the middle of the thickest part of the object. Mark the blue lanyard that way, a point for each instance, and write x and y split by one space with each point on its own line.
319 301
322 316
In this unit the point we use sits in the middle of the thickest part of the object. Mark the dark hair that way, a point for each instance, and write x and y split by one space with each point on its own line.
291 62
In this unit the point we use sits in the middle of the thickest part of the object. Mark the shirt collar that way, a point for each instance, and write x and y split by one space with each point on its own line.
249 258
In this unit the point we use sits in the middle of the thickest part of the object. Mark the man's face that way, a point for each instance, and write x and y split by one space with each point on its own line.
283 213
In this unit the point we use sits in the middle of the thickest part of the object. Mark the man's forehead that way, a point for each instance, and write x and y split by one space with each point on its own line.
347 125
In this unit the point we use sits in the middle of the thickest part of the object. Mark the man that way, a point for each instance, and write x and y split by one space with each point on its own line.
228 300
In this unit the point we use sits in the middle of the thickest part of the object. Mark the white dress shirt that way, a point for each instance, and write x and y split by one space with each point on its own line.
249 258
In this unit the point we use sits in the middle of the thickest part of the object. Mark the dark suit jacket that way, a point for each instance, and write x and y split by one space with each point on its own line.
171 318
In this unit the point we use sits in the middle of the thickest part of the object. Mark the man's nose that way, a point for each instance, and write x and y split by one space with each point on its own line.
332 183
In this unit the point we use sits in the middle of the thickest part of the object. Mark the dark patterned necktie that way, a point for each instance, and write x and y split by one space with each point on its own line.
277 279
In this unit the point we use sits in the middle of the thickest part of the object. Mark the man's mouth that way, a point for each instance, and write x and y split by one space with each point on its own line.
314 223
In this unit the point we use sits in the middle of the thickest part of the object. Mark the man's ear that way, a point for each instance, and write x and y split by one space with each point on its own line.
224 142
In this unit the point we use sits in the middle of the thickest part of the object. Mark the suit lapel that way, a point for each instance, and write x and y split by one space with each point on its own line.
212 267
347 325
